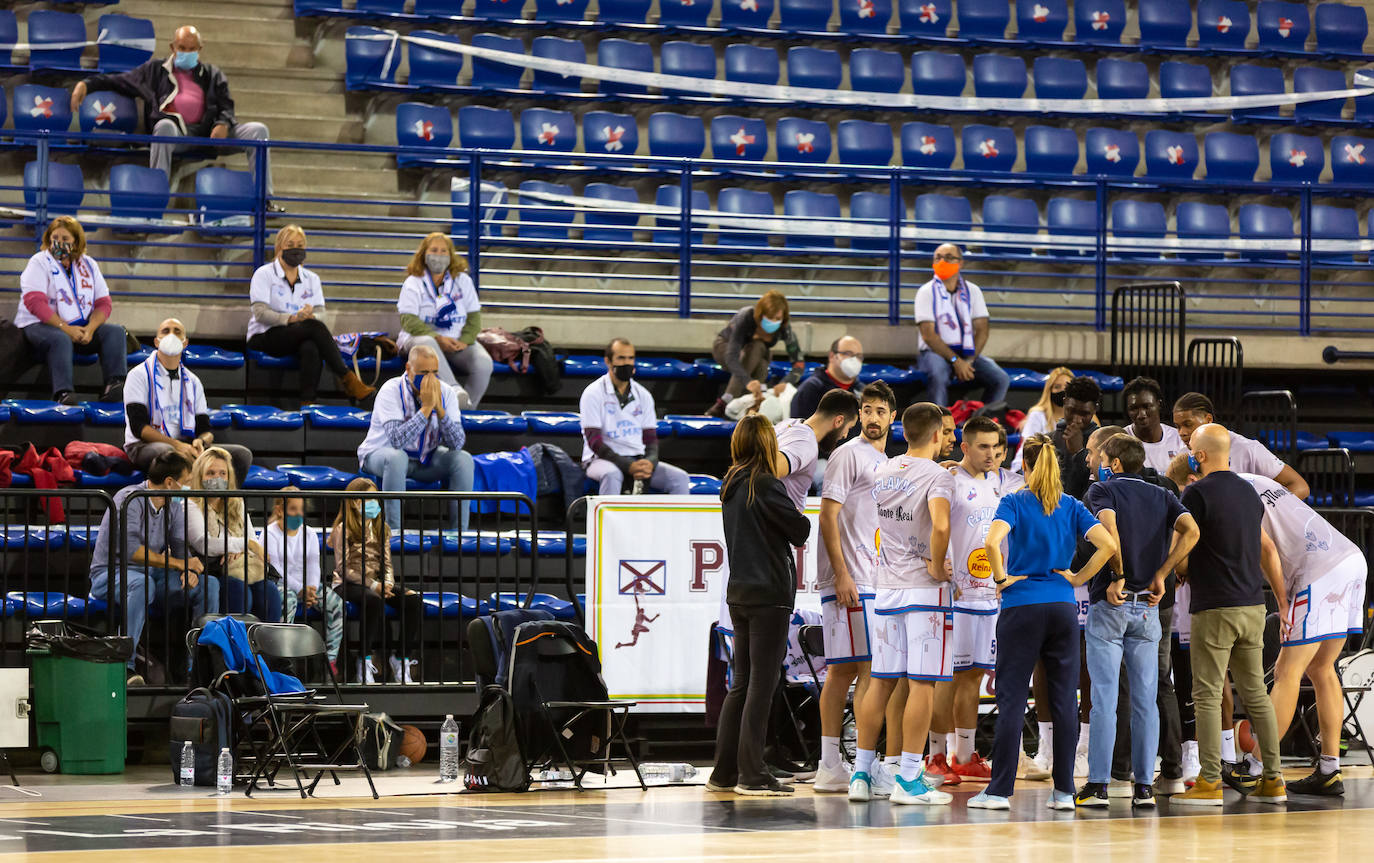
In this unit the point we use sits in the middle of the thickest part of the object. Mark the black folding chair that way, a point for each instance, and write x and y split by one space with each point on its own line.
1330 474
1216 366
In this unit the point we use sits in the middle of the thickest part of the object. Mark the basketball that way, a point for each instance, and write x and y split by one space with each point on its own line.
413 744
1245 738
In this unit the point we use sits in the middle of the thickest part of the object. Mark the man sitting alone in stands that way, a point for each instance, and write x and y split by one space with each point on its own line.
620 430
417 432
841 372
165 410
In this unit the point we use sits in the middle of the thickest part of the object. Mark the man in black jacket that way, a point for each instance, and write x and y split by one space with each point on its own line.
182 97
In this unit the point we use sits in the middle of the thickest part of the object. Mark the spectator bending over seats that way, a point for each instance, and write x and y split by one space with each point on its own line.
439 309
953 323
742 348
293 549
219 530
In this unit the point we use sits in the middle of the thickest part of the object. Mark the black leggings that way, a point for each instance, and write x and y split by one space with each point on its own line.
755 667
313 346
372 615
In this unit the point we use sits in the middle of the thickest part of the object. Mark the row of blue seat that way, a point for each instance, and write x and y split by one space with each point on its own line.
225 200
48 27
1223 26
38 108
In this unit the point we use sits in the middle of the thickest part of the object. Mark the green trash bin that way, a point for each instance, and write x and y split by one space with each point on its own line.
79 702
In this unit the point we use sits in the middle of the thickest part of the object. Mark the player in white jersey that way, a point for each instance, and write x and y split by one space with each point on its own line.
913 608
802 442
1193 410
1144 399
848 553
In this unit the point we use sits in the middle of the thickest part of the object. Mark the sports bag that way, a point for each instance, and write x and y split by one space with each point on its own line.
381 743
542 358
494 759
206 718
506 347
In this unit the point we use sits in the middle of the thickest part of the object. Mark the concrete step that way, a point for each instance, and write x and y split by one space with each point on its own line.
280 9
298 81
310 127
237 50
215 29
250 101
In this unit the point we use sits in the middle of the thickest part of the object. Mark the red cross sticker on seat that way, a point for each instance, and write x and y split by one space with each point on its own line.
741 140
613 137
1296 158
642 576
548 133
865 8
1354 153
1100 20
1039 14
749 5
928 145
929 15
988 148
424 130
1285 27
1223 24
42 107
1175 155
1112 153
806 142
104 114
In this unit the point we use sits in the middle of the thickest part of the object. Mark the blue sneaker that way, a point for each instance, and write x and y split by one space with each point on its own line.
984 800
1062 801
916 791
860 787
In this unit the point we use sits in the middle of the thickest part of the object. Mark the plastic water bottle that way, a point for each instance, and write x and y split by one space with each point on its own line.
188 765
555 778
448 750
224 772
638 487
667 774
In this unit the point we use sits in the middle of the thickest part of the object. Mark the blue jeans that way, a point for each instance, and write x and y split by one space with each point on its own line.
55 348
940 374
450 466
263 599
201 599
1115 632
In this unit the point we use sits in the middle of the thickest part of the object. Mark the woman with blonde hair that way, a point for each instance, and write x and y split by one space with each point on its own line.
288 304
742 348
64 309
439 309
1046 413
220 532
293 549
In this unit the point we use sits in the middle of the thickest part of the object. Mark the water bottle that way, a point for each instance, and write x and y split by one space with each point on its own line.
448 750
188 765
638 487
555 778
224 772
667 774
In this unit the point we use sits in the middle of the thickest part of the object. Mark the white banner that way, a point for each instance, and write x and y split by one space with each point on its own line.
656 571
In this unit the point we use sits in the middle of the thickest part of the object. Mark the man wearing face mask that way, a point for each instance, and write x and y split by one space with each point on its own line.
841 372
165 409
620 430
953 323
182 97
417 432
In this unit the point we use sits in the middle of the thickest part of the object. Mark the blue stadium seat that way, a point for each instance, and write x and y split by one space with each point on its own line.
492 207
498 422
1334 223
582 366
873 208
818 68
1310 79
39 604
988 149
542 130
106 111
42 109
744 202
863 142
336 417
564 50
104 413
431 69
671 196
9 35
995 76
1296 158
1059 78
605 132
265 479
937 213
1184 81
490 74
1005 214
66 188
679 136
1282 26
314 477
751 64
264 417
1202 223
1073 219
1263 222
745 14
926 145
137 192
805 15
1230 156
865 17
623 11
683 13
1341 29
554 422
211 357
1041 20
447 604
1170 155
1364 105
424 127
700 426
1113 152
553 11
875 71
1050 150
370 62
32 411
924 17
381 7
473 542
609 225
55 28
136 35
689 59
801 204
485 128
937 74
1099 22
1122 79
704 484
1221 24
544 220
1353 441
807 141
983 19
1256 81
1132 218
561 609
742 139
624 54
1352 159
1164 25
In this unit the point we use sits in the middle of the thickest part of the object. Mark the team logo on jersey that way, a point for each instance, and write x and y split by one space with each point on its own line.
978 565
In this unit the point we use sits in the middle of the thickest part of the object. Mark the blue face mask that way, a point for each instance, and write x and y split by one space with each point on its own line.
769 326
294 522
418 381
1104 473
371 510
186 60
1193 464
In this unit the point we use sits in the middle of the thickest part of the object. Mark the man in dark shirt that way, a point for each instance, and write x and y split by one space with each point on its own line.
1123 619
1082 397
1228 617
841 372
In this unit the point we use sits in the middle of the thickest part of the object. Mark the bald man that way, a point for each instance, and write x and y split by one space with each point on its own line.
841 372
182 97
1227 571
953 323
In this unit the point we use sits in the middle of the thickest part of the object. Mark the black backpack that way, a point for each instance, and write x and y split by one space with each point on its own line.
542 358
495 761
381 741
206 719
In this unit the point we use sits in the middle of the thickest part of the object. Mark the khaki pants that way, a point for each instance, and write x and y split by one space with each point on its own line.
1234 638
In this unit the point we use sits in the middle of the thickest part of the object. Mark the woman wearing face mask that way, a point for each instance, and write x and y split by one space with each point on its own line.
361 544
220 532
287 303
742 348
64 309
1045 414
293 549
439 308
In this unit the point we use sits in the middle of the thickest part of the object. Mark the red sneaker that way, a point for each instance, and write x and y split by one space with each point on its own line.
937 766
975 768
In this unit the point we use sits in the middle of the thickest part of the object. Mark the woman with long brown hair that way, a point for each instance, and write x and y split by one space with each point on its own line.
742 348
439 308
761 527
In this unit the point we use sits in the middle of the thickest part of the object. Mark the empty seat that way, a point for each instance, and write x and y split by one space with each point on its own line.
983 19
125 42
485 128
65 187
801 204
745 202
1008 215
676 135
987 148
491 211
805 15
9 36
995 76
1072 219
752 64
137 192
387 7
566 50
1041 20
1113 152
106 111
425 127
924 17
1350 159
1059 78
1263 222
1230 156
623 11
222 194
1282 26
1170 154
1223 24
369 61
739 138
1296 158
1310 79
865 17
609 225
1341 29
689 59
874 71
1164 25
549 131
1050 150
671 196
819 68
491 75
682 13
745 14
1184 81
801 140
42 109
434 69
861 142
541 219
1256 81
487 10
1138 219
55 28
556 11
624 54
937 214
874 209
1334 223
926 145
1122 79
936 74
1099 22
1198 224
605 132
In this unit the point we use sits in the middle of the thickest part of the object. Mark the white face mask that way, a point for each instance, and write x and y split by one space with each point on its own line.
170 345
851 366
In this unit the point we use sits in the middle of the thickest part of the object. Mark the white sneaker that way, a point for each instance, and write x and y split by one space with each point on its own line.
860 787
984 800
397 669
1120 788
1191 766
1041 766
1080 762
882 782
367 672
1061 801
917 792
832 780
406 665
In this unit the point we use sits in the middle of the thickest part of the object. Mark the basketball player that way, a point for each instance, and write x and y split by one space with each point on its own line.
947 428
801 442
1247 456
913 607
849 523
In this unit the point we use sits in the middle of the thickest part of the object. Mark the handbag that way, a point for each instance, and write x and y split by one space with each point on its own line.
247 568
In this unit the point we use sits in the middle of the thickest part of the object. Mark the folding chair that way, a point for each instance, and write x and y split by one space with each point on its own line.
812 640
1357 679
782 713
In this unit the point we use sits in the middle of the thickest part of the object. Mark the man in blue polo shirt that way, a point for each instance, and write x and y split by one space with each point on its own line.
1123 621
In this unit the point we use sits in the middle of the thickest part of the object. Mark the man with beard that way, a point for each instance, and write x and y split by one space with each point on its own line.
946 434
801 442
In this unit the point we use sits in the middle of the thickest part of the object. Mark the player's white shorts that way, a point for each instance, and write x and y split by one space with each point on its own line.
913 635
1080 596
975 638
1330 607
1183 618
846 630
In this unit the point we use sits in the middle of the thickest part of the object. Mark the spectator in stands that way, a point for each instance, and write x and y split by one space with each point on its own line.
287 301
620 430
362 555
1046 413
1144 400
953 324
742 348
1246 456
293 550
161 576
165 409
64 309
219 530
841 372
182 97
439 308
417 432
1082 397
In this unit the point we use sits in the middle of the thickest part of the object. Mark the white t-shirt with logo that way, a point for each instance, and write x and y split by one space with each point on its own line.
798 444
269 286
902 490
849 477
949 330
622 428
1158 455
445 306
1307 543
971 512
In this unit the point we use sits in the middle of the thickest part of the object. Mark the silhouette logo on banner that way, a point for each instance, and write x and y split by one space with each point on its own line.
641 578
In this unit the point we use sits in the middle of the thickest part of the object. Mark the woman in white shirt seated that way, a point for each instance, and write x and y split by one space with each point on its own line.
1045 414
439 308
220 532
64 309
293 549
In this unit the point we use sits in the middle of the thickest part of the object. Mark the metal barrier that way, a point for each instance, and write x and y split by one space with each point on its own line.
1216 366
1149 329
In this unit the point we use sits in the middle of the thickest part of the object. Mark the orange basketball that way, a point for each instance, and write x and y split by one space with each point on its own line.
413 744
1245 738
